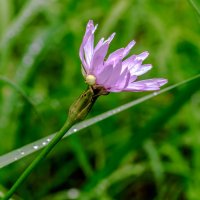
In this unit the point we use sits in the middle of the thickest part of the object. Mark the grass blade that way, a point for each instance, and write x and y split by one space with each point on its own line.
17 154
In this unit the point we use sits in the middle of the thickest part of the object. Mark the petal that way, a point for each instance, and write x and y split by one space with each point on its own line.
133 78
140 69
143 55
135 66
104 75
127 78
135 87
109 40
146 85
88 49
128 48
99 55
114 90
99 44
153 82
134 60
123 80
115 75
115 56
121 87
98 59
89 31
120 53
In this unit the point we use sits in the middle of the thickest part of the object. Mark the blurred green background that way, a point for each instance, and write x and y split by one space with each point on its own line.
151 151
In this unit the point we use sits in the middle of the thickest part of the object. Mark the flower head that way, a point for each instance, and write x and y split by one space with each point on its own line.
115 73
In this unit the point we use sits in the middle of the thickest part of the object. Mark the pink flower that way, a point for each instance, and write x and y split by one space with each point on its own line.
116 73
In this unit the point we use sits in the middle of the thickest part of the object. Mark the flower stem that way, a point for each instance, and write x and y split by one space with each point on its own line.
77 112
38 159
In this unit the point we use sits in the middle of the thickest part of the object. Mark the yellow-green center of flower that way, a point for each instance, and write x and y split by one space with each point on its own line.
90 79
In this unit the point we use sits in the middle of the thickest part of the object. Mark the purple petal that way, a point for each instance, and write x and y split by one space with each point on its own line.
115 75
123 80
99 44
115 56
146 85
133 78
143 55
128 48
135 87
128 62
104 75
89 31
153 82
98 59
122 84
114 90
89 48
140 69
136 65
134 61
110 38
127 77
120 53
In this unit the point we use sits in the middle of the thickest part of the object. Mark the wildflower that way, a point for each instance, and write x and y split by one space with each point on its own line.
116 73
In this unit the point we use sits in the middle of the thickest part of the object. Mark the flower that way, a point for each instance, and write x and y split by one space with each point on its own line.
116 73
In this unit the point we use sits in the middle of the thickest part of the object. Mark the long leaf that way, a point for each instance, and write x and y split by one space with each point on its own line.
18 154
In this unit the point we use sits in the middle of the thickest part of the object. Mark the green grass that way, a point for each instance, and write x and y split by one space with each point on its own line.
150 151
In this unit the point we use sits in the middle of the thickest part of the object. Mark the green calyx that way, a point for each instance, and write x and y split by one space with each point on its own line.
81 107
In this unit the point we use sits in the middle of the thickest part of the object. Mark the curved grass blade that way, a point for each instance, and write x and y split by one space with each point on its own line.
21 92
17 88
17 154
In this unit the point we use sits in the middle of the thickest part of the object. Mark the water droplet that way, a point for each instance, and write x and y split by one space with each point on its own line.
28 61
73 193
15 158
1 194
155 93
44 143
74 129
36 47
35 147
22 152
48 140
10 34
118 109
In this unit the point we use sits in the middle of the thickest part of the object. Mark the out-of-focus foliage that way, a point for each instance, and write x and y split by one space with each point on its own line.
149 152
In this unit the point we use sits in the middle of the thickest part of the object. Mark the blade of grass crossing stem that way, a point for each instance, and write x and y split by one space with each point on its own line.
39 144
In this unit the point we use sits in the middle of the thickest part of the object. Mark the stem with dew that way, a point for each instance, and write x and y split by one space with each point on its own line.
77 112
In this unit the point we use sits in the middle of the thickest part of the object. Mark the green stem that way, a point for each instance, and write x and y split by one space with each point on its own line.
77 112
38 159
